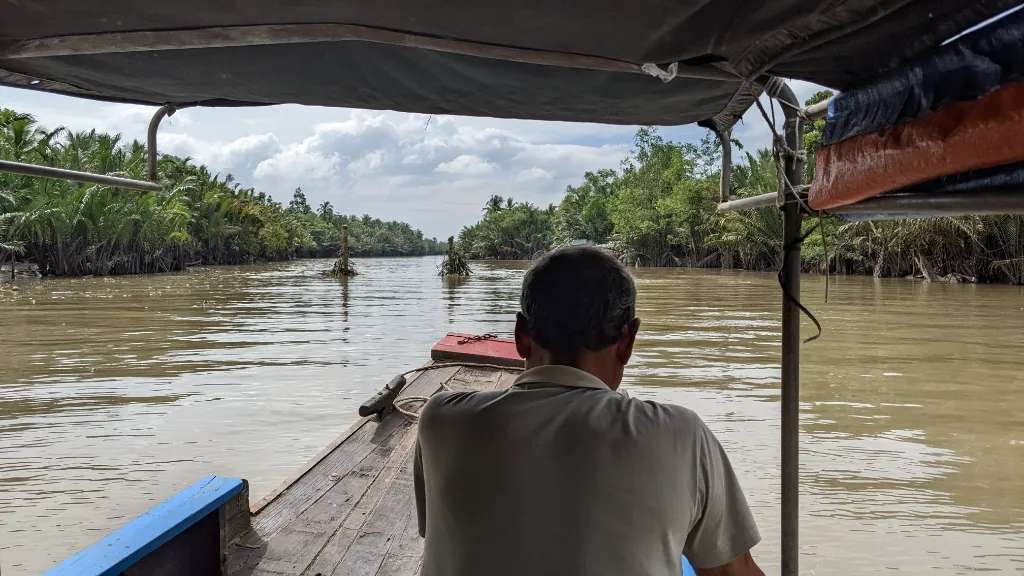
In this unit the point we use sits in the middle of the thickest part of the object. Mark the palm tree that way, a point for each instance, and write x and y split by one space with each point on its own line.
493 205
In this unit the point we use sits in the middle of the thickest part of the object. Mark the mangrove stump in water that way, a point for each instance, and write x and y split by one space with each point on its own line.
342 267
454 263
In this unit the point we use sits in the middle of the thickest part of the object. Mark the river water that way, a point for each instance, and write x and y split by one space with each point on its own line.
117 392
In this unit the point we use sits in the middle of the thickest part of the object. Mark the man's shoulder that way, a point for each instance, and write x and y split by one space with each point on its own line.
454 404
669 416
452 407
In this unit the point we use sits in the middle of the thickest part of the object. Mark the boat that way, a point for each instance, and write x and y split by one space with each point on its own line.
349 510
645 62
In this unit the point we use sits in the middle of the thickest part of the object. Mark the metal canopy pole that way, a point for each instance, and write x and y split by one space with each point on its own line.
790 279
759 201
909 204
819 110
76 176
154 125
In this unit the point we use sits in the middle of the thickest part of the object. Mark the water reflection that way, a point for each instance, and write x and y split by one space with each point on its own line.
118 391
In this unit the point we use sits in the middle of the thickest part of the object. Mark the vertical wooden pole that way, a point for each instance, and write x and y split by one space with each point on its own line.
725 178
13 256
344 248
790 278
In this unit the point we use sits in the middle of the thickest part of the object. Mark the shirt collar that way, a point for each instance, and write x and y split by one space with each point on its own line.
561 376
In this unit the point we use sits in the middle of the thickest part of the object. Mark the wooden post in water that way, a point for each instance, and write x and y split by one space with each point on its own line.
344 247
14 255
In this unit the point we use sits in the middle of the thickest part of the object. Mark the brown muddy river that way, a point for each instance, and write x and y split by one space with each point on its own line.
117 392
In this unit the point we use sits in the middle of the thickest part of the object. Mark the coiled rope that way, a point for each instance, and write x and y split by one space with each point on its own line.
444 385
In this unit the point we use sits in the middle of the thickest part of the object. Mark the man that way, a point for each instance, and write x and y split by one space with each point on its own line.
562 474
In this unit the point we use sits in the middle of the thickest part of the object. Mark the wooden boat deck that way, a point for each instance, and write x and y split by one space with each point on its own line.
352 511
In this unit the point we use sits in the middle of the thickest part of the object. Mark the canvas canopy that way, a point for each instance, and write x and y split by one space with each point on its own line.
597 61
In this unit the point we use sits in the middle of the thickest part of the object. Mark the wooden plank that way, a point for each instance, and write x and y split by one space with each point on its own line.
195 552
372 541
342 457
318 481
296 546
294 526
291 480
295 538
376 495
379 497
142 536
234 520
405 556
352 511
507 378
267 499
470 378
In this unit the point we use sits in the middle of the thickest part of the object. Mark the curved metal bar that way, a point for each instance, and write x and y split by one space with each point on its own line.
154 125
931 204
819 110
76 176
750 203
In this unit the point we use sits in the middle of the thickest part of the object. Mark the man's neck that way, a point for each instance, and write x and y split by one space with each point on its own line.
592 363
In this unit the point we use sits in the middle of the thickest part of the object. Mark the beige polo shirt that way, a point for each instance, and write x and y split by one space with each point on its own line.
560 475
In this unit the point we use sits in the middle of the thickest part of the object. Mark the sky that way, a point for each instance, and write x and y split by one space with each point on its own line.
433 172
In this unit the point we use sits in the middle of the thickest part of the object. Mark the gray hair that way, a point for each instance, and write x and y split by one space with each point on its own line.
577 298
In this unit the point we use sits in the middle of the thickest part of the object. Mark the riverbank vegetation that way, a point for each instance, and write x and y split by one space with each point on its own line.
69 228
659 209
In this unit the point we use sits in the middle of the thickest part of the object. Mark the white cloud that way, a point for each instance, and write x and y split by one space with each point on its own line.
240 157
368 164
534 174
466 165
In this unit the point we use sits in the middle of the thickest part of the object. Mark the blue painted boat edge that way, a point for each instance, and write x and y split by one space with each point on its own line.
688 568
140 537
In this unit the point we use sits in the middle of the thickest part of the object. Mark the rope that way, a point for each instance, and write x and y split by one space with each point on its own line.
824 247
476 338
444 385
780 148
786 249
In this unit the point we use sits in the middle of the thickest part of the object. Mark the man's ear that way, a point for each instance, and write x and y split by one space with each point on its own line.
524 345
624 348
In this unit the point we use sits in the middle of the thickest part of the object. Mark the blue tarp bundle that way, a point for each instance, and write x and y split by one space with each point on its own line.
1009 176
965 69
946 122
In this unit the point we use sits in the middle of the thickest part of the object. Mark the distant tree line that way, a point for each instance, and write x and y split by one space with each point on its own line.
659 209
70 228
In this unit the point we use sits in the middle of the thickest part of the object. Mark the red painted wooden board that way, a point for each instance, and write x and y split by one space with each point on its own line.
481 349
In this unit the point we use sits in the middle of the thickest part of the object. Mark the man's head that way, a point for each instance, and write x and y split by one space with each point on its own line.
578 309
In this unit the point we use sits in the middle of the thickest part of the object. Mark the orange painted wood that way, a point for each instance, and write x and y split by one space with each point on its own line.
957 138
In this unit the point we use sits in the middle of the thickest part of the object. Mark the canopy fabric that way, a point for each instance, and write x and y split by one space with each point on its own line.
570 60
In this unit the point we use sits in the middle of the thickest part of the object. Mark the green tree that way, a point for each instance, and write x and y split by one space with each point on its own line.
298 203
